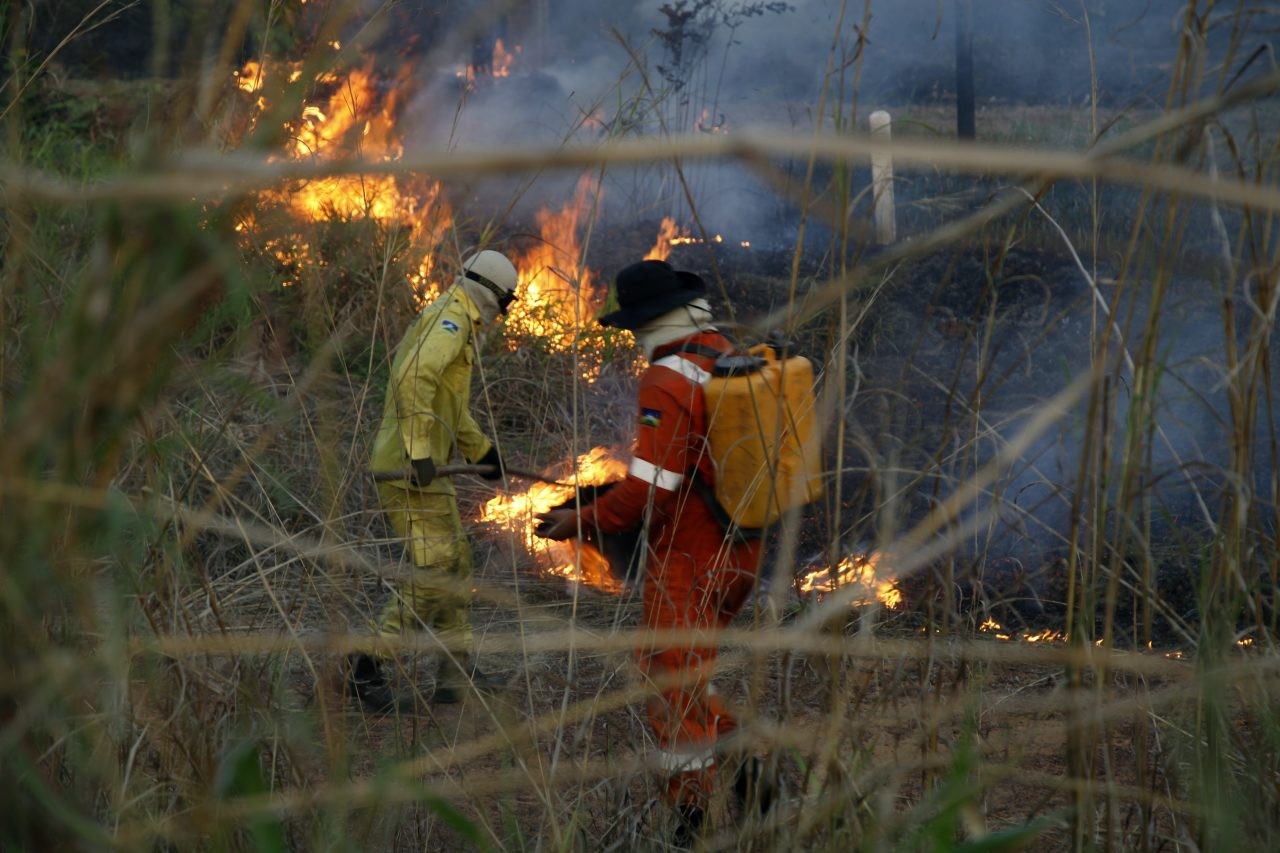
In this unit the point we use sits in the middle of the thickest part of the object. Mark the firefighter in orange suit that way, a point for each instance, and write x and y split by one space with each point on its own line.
425 418
697 576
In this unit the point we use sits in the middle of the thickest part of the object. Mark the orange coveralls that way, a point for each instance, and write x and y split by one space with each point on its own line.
697 577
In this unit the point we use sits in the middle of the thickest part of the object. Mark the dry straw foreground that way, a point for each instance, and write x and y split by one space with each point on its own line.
194 361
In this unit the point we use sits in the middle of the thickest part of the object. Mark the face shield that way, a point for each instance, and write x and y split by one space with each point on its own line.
504 297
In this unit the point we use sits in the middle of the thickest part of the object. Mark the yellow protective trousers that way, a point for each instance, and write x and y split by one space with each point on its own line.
437 594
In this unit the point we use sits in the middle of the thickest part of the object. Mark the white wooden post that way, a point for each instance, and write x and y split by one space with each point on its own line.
882 181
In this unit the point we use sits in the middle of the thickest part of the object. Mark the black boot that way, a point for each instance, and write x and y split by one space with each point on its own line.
754 785
454 676
367 682
689 820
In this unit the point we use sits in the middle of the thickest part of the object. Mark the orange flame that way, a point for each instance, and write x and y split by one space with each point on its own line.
857 570
358 118
1048 635
558 295
668 232
499 65
503 59
249 78
687 240
354 108
580 564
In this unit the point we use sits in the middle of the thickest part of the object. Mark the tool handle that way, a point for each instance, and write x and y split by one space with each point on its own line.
453 470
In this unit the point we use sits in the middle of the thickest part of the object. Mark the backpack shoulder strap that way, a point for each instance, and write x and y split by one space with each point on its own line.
701 349
687 367
695 348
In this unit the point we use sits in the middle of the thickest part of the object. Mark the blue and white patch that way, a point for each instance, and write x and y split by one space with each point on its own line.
449 326
650 417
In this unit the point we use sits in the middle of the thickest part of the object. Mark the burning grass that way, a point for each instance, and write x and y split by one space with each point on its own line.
516 513
863 571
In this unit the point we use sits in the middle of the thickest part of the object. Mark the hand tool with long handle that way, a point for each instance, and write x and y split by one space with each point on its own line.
452 470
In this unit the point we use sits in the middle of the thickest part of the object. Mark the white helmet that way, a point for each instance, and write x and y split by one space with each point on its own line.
495 273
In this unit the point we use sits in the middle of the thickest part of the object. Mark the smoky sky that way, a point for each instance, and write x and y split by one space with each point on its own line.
766 68
614 70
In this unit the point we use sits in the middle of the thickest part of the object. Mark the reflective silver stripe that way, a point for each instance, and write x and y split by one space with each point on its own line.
655 476
678 762
684 367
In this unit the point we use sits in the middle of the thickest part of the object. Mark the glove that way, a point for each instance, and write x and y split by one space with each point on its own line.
492 458
557 524
424 471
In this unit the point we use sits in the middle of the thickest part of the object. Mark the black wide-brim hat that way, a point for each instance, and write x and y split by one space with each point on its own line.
649 289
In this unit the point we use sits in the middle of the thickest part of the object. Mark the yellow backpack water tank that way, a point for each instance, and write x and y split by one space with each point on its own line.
763 436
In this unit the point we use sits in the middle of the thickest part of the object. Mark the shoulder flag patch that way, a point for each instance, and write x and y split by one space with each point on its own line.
650 417
449 326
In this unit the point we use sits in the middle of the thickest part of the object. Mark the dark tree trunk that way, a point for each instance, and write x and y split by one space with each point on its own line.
965 121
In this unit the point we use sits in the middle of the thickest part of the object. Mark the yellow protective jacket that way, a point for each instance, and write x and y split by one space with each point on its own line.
426 413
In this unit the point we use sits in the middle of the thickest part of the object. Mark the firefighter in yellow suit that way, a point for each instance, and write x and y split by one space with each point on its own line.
425 416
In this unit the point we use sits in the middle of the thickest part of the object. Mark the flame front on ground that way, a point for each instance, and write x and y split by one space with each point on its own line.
857 570
1048 635
516 512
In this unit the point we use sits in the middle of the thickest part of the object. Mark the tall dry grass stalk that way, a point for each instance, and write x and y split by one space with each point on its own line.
190 541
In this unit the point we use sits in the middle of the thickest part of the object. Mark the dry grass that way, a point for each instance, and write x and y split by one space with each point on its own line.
191 542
